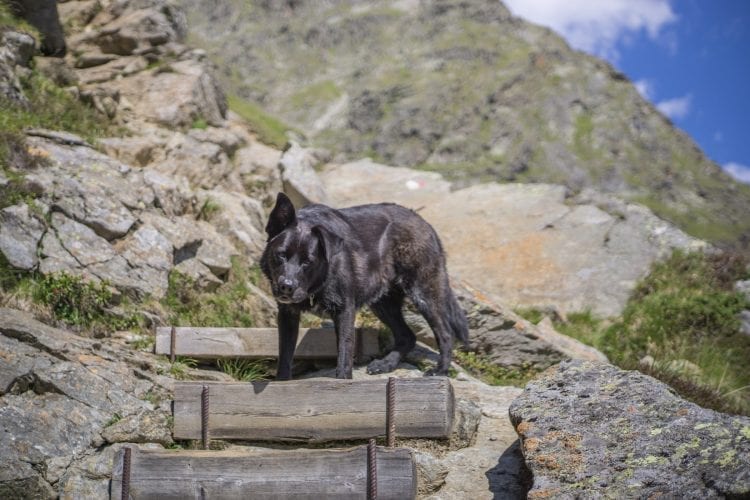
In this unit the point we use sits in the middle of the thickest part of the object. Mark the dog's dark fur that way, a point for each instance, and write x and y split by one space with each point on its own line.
336 261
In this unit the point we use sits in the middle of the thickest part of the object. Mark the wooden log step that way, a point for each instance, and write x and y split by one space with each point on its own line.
258 343
314 410
267 474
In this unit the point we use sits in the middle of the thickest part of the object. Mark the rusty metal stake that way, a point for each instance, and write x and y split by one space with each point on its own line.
372 471
390 413
126 474
172 342
204 416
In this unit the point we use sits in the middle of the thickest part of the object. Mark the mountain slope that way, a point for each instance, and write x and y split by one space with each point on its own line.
468 90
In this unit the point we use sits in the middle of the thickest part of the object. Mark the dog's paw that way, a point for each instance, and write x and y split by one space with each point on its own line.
436 372
379 366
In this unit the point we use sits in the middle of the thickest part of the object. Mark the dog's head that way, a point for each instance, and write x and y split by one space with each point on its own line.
297 256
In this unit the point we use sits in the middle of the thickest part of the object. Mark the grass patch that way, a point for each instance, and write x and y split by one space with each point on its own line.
269 129
51 107
530 314
246 370
179 369
199 123
681 325
228 306
79 302
493 374
208 210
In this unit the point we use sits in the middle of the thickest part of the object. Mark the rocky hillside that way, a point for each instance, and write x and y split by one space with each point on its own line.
160 197
466 89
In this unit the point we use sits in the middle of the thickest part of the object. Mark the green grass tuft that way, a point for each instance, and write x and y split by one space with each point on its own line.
493 374
681 325
228 306
246 370
269 129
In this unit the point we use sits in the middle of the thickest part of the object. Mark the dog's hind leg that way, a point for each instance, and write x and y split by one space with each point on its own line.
389 310
431 306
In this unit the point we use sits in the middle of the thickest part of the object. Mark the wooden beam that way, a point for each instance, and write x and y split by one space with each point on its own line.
314 410
258 343
264 474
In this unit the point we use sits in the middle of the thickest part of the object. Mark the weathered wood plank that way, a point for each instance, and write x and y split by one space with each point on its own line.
314 410
267 474
257 343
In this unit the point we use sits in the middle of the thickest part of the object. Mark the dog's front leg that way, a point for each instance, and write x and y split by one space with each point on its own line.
288 319
344 322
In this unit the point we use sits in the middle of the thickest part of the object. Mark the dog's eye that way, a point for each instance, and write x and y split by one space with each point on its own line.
280 256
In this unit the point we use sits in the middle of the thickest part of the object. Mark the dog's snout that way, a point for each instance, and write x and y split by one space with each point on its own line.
287 286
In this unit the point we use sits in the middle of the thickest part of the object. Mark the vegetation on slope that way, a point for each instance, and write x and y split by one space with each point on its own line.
681 325
466 89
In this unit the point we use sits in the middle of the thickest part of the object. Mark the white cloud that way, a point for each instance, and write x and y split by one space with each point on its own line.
645 87
675 108
596 26
738 171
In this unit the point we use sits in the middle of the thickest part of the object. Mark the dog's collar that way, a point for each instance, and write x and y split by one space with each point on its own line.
312 298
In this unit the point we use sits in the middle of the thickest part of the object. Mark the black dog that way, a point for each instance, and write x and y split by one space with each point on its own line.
336 261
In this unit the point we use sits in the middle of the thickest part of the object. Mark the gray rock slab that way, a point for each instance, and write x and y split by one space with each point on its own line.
300 180
81 241
528 244
20 232
592 430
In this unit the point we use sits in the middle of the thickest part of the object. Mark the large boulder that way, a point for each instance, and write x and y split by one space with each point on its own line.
533 245
175 95
62 392
298 175
503 337
592 430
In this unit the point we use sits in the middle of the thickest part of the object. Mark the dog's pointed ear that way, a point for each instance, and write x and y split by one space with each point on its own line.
332 243
282 216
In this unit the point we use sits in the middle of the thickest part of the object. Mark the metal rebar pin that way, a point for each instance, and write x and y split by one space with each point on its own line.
126 458
204 416
390 412
372 471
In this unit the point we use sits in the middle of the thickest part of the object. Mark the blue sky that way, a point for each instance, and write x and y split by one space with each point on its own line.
691 58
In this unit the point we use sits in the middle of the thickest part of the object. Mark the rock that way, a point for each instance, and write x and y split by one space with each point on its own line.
102 99
19 480
745 322
134 31
78 13
20 233
135 150
215 251
629 434
64 391
42 14
202 277
56 70
223 137
16 49
743 287
430 473
301 182
238 217
146 426
257 165
172 193
175 96
80 241
203 164
467 416
526 243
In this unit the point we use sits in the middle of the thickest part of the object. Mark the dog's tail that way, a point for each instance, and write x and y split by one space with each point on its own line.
457 319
